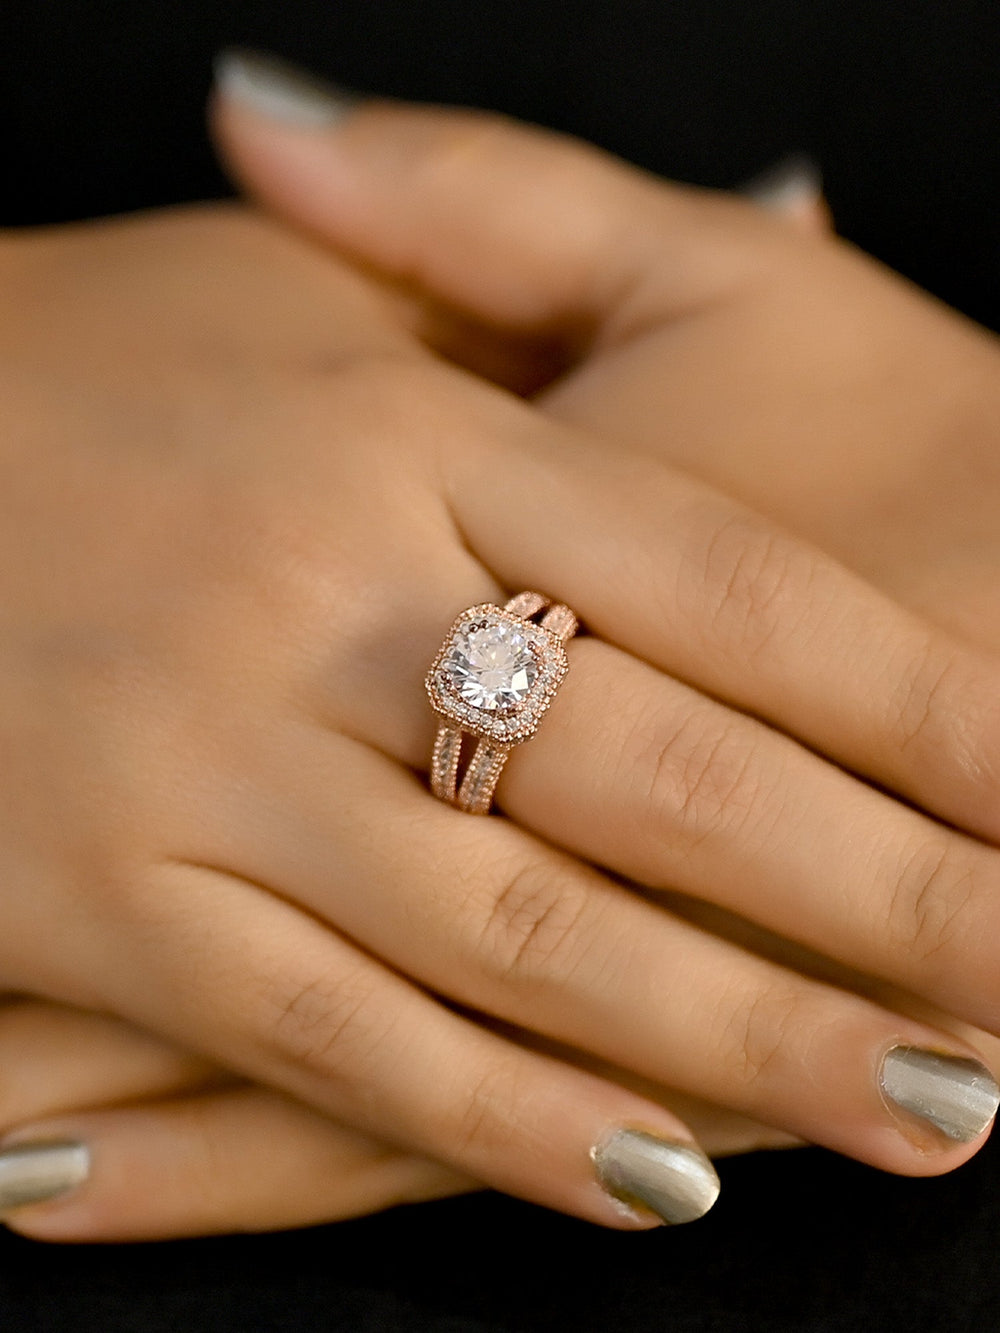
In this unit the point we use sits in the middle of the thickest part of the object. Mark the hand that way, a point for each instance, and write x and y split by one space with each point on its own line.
443 196
771 360
689 326
519 243
197 755
68 1062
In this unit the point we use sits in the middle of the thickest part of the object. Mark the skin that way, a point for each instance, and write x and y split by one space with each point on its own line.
239 827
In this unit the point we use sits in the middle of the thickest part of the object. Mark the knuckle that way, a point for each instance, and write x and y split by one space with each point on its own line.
268 532
327 1026
274 550
469 139
931 905
761 1036
922 696
115 894
385 383
485 1121
532 922
490 141
95 672
946 704
546 166
751 584
699 777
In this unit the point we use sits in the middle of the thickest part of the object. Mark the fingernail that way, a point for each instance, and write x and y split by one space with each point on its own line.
37 1172
792 184
958 1097
675 1180
280 91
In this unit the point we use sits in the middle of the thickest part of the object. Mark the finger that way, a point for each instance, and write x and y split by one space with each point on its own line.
720 1131
648 777
523 247
709 592
509 927
643 775
675 573
231 970
540 239
240 1160
55 1059
479 209
527 229
244 1160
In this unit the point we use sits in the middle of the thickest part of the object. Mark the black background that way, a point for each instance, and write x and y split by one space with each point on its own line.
101 111
800 1242
101 100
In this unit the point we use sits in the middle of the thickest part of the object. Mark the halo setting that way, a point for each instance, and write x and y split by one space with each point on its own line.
496 674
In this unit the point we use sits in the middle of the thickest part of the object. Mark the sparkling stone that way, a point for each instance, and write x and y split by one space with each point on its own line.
491 666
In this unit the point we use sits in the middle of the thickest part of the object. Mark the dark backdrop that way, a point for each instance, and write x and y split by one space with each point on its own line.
101 100
100 111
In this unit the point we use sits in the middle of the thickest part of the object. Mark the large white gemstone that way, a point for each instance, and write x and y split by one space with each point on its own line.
491 666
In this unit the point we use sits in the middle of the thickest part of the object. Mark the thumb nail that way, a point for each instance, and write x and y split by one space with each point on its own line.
790 186
280 91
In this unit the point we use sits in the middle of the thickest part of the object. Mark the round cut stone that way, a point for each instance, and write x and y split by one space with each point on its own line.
491 666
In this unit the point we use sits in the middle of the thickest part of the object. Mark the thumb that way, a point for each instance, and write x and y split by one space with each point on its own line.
525 230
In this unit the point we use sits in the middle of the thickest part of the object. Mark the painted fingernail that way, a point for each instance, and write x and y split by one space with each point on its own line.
675 1180
37 1172
792 184
959 1097
282 92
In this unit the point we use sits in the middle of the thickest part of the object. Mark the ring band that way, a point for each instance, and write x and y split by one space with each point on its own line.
495 676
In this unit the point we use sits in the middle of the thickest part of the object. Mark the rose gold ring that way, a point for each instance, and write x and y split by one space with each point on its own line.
496 674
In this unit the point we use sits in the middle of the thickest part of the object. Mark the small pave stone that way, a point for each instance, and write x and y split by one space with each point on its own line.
491 666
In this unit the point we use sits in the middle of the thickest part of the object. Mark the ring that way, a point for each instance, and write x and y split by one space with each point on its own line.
496 674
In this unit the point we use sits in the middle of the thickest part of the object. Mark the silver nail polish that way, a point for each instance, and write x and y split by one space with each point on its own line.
675 1180
280 91
37 1172
794 182
957 1096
